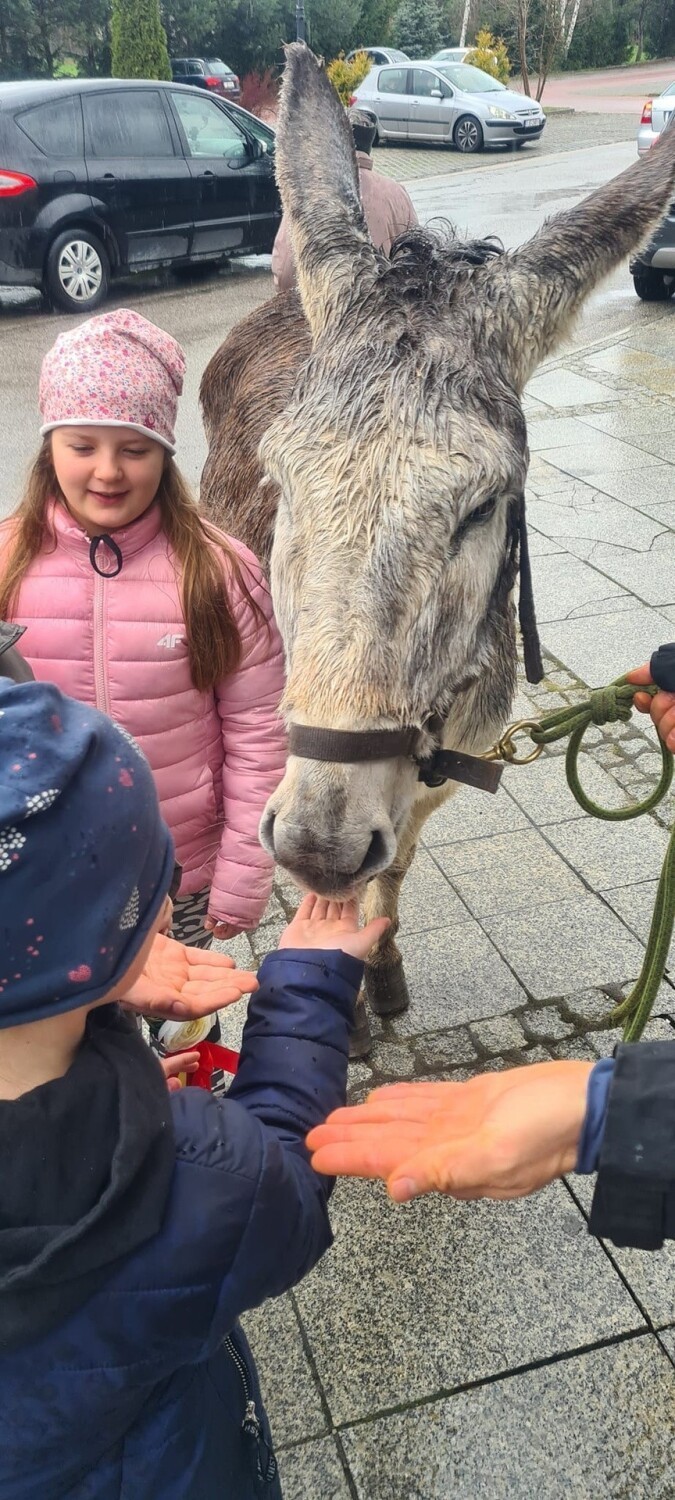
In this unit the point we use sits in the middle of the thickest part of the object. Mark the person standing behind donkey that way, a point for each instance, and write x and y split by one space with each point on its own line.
386 205
136 605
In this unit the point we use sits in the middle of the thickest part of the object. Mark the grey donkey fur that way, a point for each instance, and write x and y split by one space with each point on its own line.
366 434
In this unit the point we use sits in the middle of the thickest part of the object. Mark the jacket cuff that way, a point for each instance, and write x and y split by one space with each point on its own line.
331 973
634 1200
593 1127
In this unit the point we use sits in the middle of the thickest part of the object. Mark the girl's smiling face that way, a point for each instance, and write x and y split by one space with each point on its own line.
108 475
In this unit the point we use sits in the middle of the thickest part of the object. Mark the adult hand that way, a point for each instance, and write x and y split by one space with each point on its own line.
180 1062
180 983
223 931
661 706
319 923
501 1135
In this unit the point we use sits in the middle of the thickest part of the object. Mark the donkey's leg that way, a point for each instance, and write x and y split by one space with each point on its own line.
385 982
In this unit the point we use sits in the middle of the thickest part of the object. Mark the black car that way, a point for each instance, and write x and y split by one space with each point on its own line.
99 177
206 73
653 269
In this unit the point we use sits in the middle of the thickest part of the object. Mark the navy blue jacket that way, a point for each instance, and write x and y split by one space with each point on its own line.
148 1391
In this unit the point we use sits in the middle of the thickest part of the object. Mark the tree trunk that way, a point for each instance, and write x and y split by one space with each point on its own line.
522 51
465 23
569 33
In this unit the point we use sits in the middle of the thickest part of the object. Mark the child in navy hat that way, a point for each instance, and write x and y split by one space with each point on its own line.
136 1226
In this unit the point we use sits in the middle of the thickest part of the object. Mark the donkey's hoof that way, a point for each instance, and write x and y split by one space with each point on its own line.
360 1041
386 988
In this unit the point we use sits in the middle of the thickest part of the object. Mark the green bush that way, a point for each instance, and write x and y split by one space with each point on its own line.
139 47
417 28
490 54
346 76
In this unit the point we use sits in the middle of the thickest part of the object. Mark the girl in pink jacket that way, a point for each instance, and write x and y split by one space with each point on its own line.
135 604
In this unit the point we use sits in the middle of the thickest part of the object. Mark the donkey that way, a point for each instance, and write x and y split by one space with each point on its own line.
366 435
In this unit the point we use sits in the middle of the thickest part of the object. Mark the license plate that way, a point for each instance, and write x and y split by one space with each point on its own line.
531 124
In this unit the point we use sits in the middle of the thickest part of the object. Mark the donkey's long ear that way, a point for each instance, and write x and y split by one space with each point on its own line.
319 182
531 294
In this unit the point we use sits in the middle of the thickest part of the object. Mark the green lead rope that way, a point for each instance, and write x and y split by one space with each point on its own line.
608 706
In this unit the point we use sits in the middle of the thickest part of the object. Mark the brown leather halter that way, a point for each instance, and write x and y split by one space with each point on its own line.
354 745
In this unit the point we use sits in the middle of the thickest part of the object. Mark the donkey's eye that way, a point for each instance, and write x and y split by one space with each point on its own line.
483 512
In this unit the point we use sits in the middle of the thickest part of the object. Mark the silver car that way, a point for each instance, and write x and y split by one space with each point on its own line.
451 103
655 116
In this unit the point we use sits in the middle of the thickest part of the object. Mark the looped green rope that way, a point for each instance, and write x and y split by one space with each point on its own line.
608 706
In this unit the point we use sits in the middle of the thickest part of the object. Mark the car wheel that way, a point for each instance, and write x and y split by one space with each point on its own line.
468 135
651 285
77 274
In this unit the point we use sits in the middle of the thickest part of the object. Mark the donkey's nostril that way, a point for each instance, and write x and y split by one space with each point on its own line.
378 855
266 832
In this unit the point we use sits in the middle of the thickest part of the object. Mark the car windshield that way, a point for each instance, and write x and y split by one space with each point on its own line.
216 68
469 80
669 91
398 56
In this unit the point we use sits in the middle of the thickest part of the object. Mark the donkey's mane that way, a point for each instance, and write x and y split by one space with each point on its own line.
427 263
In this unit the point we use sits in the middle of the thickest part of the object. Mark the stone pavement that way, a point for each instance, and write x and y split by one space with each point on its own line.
563 132
493 1351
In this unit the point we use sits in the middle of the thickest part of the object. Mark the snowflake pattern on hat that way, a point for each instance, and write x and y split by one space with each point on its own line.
129 739
40 801
131 913
10 843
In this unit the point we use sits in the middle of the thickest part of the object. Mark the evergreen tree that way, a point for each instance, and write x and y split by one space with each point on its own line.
139 47
417 28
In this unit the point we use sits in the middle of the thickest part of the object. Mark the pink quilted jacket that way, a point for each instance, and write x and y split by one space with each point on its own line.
118 642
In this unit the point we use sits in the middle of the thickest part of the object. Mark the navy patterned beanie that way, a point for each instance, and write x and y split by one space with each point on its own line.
85 859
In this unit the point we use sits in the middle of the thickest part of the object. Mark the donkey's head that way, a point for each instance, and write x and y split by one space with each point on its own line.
400 463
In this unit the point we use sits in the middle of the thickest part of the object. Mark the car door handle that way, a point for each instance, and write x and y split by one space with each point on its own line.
207 173
109 177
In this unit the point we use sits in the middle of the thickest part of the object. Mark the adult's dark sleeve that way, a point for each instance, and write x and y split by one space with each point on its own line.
634 1200
662 667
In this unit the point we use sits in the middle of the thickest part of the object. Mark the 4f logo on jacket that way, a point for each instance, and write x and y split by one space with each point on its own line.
171 641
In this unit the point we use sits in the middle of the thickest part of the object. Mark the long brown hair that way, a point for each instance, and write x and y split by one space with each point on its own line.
214 645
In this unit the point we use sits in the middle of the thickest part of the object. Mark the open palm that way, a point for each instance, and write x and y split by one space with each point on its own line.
319 923
180 983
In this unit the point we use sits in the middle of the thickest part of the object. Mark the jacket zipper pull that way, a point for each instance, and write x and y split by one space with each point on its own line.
266 1462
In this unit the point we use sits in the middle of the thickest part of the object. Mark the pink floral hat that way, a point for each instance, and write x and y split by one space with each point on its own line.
117 370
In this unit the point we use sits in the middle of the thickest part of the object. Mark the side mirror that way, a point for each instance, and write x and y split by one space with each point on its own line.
256 148
436 94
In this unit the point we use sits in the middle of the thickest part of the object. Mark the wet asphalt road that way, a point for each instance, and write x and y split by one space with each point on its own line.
510 197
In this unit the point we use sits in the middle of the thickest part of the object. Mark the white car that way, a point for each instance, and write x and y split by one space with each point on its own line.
655 116
451 54
380 55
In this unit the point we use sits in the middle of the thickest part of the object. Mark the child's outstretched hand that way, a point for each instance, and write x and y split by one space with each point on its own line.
172 1067
661 706
319 923
180 983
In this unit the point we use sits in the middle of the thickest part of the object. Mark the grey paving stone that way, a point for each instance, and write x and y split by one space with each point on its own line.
562 583
542 792
575 1049
313 1471
507 872
288 1386
560 388
501 1034
600 654
577 944
454 976
633 424
427 900
667 1338
411 1302
596 1425
589 1005
603 1042
554 432
535 1055
444 1048
546 1025
635 905
608 855
473 815
598 457
580 513
395 1061
266 939
541 546
650 1274
650 575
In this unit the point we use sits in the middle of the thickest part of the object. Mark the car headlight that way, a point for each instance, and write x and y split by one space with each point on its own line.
499 114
